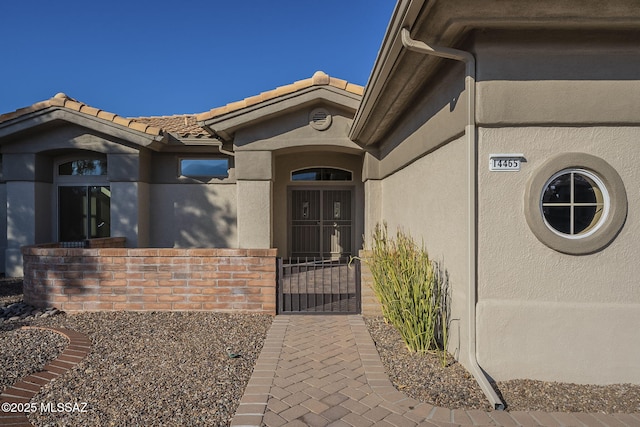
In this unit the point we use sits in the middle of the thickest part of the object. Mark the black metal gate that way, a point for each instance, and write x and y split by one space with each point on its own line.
317 285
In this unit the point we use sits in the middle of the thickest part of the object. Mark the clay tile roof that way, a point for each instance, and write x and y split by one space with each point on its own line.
319 79
182 125
62 100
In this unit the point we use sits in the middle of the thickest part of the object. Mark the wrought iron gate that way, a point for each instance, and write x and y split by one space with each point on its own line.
317 285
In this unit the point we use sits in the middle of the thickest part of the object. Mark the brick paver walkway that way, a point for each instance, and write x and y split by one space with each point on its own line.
318 370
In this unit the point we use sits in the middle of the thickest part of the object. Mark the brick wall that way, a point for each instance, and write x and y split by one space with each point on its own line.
107 278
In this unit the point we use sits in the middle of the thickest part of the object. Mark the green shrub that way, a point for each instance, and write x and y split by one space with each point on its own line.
411 289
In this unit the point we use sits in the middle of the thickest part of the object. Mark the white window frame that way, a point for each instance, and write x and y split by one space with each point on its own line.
606 203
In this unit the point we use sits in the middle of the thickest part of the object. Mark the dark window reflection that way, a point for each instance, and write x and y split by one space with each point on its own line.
321 174
83 168
558 190
84 212
559 218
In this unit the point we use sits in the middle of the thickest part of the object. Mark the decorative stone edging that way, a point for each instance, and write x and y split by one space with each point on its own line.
25 389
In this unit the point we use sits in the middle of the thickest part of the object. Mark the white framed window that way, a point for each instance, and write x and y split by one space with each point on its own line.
574 203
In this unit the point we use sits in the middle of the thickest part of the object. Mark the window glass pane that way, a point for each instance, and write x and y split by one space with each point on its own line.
584 190
321 174
100 210
83 167
337 175
312 174
558 218
84 212
72 213
558 190
585 217
204 167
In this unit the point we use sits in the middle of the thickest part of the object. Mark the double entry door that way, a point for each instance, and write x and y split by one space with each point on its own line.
321 222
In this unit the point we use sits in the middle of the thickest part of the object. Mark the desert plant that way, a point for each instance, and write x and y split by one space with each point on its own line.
411 289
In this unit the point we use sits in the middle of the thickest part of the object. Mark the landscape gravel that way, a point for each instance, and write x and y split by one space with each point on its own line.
424 378
164 368
25 351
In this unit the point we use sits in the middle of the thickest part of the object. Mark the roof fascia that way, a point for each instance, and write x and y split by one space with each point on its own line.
405 14
51 114
446 23
227 124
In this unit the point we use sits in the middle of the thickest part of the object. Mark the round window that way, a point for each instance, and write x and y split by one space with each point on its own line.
576 203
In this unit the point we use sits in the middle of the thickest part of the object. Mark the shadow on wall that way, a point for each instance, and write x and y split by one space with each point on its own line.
193 216
439 103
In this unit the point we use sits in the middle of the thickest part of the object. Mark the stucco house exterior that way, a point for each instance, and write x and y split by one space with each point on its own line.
503 134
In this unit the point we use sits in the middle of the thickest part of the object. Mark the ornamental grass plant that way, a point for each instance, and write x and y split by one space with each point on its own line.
412 290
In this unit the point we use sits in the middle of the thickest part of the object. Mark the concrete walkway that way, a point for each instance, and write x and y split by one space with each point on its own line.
318 370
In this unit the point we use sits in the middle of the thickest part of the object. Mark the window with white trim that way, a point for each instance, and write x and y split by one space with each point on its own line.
575 202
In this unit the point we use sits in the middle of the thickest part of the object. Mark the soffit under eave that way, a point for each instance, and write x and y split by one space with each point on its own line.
39 121
226 125
399 75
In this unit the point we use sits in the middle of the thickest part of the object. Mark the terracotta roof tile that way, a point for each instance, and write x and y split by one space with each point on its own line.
62 100
187 124
318 79
183 125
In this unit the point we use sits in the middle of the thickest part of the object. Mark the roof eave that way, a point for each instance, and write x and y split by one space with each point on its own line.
404 14
39 117
225 125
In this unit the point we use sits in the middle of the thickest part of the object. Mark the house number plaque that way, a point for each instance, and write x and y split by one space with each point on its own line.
505 162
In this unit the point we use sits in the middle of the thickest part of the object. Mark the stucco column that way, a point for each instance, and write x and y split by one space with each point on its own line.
372 195
128 176
254 173
372 207
129 202
28 196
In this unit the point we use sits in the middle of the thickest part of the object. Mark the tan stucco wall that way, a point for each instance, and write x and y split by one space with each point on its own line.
550 77
291 129
193 216
428 200
286 163
543 314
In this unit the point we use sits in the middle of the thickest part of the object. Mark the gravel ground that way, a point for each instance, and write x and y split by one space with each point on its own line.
10 290
25 351
174 369
423 378
170 369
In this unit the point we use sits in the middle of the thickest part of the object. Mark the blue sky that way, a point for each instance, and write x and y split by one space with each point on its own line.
157 57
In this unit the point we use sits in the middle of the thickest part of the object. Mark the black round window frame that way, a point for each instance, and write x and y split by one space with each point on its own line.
611 225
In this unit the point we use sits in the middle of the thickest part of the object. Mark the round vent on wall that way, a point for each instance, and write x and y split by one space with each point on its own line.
320 118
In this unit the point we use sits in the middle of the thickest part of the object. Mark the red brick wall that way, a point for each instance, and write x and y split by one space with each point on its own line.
103 279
